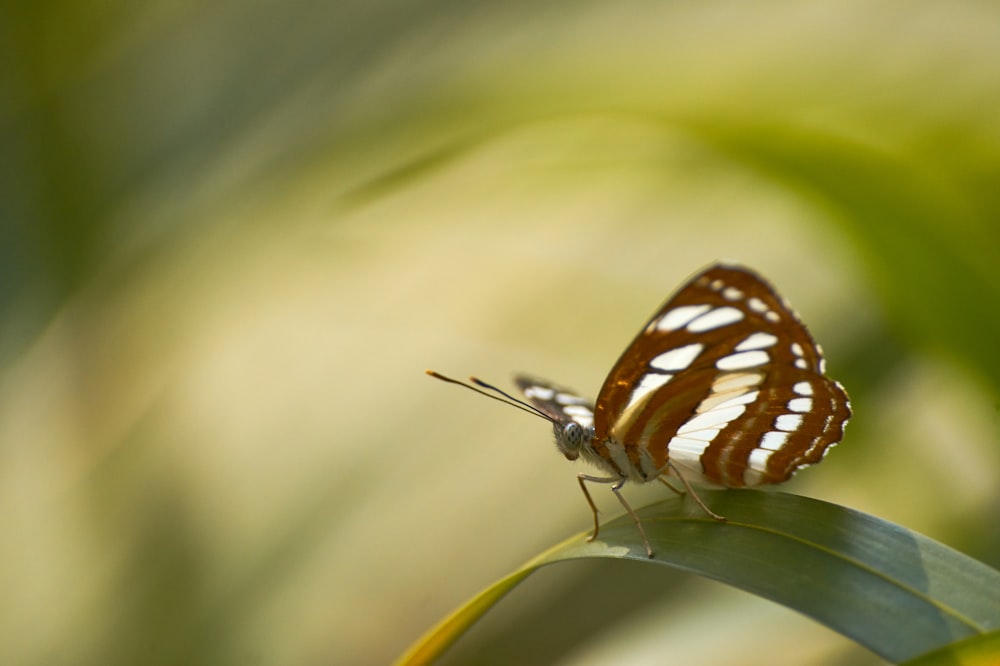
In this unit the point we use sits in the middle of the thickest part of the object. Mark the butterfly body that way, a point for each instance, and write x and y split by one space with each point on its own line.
723 386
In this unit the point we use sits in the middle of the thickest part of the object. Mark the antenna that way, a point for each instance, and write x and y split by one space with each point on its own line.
510 400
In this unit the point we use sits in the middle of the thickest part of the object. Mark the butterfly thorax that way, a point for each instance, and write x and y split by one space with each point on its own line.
575 440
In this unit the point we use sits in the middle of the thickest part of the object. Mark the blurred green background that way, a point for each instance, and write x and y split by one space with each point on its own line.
235 234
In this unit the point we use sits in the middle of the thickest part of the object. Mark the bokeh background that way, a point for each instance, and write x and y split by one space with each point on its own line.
235 234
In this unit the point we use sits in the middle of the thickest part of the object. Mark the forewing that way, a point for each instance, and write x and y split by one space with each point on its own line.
727 382
562 404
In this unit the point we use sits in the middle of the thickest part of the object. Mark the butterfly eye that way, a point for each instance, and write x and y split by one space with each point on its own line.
570 438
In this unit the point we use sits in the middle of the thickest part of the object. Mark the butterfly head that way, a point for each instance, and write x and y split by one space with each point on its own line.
571 438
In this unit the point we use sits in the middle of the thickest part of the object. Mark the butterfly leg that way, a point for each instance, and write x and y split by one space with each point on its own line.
586 493
616 489
692 493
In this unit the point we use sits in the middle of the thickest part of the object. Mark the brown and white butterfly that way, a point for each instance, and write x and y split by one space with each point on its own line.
724 386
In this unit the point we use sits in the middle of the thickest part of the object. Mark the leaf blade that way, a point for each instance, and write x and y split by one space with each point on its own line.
980 650
896 592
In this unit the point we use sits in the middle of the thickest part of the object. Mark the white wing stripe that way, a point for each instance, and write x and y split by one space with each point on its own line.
802 405
540 392
758 459
704 435
570 399
735 381
581 414
716 318
757 340
683 448
648 384
788 422
679 317
715 418
677 359
727 399
774 440
743 360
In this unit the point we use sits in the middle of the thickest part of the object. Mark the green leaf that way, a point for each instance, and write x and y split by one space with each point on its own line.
895 592
981 650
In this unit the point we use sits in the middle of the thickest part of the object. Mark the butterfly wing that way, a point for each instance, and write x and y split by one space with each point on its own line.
561 404
726 382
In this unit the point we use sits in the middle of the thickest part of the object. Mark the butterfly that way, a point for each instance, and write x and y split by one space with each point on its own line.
723 386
